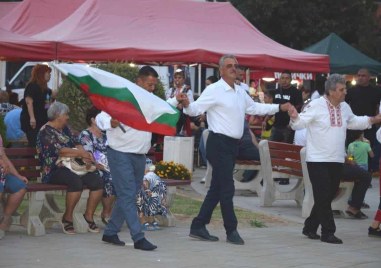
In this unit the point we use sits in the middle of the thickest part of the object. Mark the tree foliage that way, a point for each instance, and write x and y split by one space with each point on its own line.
301 23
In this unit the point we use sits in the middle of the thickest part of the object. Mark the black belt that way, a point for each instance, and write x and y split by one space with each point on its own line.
223 136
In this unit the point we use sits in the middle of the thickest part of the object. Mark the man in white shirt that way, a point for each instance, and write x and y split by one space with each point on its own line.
226 104
240 78
126 158
327 120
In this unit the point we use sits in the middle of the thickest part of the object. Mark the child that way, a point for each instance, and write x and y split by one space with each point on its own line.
268 122
359 150
151 200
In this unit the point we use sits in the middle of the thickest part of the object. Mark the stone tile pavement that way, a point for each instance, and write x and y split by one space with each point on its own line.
275 246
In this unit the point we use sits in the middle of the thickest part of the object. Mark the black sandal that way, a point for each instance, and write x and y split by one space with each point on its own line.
67 227
93 228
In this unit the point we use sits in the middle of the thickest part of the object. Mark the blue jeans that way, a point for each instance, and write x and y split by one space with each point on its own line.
127 171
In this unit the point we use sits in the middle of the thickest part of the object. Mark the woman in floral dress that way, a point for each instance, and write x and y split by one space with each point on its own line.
94 141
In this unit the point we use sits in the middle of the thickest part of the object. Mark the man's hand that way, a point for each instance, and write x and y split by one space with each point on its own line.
114 123
183 98
285 106
375 119
292 112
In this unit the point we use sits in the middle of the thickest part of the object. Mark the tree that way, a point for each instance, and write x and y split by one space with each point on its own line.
301 23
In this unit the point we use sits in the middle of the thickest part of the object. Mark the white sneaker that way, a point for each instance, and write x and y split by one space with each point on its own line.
2 234
202 180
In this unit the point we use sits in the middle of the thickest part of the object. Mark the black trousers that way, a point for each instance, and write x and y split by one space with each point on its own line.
221 151
325 179
361 179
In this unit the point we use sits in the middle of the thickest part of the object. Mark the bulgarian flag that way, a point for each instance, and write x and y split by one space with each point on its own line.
123 100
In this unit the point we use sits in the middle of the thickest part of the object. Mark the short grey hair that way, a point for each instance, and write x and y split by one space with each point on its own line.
56 109
332 81
224 57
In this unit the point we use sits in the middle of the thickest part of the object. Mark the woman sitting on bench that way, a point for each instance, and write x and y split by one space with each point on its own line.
55 140
15 184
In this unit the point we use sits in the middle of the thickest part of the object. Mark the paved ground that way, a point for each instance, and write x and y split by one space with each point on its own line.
275 246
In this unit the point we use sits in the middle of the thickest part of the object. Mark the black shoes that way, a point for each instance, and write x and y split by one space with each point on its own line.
331 239
235 238
374 232
113 239
144 244
311 235
202 234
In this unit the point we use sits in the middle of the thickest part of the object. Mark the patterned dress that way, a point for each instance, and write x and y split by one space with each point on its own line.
156 203
49 143
2 174
98 147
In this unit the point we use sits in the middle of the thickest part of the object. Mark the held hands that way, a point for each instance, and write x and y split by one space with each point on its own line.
375 120
293 113
183 99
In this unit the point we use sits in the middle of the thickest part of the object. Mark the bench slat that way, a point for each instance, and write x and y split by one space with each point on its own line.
25 162
285 154
27 151
284 146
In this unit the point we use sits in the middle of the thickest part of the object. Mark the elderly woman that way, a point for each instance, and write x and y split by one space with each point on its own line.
94 140
55 140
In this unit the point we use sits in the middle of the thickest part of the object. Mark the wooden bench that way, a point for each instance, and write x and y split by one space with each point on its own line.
42 210
240 166
340 203
280 160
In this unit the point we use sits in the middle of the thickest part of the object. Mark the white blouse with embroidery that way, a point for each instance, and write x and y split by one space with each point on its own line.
326 129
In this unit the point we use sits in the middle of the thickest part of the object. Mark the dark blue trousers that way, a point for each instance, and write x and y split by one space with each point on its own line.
221 152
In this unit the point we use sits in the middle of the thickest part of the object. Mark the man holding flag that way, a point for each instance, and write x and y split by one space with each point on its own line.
126 156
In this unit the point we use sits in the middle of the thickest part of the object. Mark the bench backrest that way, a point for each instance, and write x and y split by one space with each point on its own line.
283 157
25 161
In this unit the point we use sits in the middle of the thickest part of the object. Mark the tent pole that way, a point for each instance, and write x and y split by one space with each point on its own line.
199 79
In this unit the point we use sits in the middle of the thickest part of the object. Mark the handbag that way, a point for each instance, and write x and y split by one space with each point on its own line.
76 165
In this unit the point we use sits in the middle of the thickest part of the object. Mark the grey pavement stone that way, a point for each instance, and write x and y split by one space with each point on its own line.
281 245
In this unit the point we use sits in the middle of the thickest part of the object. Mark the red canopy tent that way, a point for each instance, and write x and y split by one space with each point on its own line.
34 16
164 32
6 7
18 47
